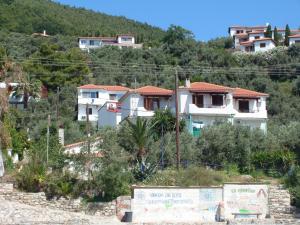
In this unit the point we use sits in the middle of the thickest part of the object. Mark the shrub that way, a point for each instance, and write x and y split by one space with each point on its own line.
31 177
273 163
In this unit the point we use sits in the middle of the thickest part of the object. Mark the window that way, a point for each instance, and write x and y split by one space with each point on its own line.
83 42
151 104
112 97
90 111
126 39
257 37
92 42
198 100
217 100
262 45
89 94
297 41
243 106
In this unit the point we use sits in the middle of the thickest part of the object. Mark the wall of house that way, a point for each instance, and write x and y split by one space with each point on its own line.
82 112
131 41
95 103
134 106
87 45
107 118
294 40
269 45
252 36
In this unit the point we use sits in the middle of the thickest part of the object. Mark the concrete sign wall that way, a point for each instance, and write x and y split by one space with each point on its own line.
152 205
245 201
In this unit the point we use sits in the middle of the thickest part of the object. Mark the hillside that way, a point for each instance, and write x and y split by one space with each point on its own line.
28 16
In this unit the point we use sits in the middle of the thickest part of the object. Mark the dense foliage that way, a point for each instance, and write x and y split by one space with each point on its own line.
140 148
29 16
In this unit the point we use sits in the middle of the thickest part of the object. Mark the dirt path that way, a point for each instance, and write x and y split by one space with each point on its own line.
21 214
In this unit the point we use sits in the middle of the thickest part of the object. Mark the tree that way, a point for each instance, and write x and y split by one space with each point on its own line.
268 33
276 36
286 35
140 133
28 88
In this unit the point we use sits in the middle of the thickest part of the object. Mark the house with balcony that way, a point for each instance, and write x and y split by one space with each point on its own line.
202 104
140 102
253 39
120 41
91 97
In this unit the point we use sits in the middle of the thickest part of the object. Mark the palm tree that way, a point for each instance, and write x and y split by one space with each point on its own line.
27 88
139 132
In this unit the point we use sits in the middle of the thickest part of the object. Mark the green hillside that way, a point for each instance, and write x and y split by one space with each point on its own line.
28 16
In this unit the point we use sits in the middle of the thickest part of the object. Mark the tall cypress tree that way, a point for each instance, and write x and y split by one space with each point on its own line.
268 33
287 34
276 36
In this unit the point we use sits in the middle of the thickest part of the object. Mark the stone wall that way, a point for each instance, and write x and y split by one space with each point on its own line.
280 202
39 199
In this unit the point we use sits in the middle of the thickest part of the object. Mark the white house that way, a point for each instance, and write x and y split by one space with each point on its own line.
139 102
257 45
294 39
253 39
91 97
121 41
202 104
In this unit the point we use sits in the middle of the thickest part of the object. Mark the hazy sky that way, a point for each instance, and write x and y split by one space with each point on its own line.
206 19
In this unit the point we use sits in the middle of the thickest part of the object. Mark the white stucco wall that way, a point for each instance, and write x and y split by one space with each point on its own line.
252 36
94 103
294 40
269 45
108 118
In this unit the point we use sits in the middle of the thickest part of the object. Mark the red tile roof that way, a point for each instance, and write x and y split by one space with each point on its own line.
104 87
244 93
249 27
151 90
295 36
263 39
246 43
207 87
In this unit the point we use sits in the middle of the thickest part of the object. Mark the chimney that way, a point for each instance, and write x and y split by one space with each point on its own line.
61 136
187 83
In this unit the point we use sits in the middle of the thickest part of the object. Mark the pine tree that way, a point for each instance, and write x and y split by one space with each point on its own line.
276 36
268 33
287 34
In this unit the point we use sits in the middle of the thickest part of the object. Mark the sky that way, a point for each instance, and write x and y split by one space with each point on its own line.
207 19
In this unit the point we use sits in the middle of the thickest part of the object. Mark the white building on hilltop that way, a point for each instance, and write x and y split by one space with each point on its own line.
91 97
121 41
253 39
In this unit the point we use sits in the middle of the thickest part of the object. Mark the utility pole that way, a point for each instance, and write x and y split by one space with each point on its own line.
57 105
88 138
48 135
177 120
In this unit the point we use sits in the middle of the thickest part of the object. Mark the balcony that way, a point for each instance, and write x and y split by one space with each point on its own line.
142 112
210 110
254 114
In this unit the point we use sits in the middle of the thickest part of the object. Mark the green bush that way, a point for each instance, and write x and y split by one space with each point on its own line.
273 163
57 185
114 181
194 176
31 178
